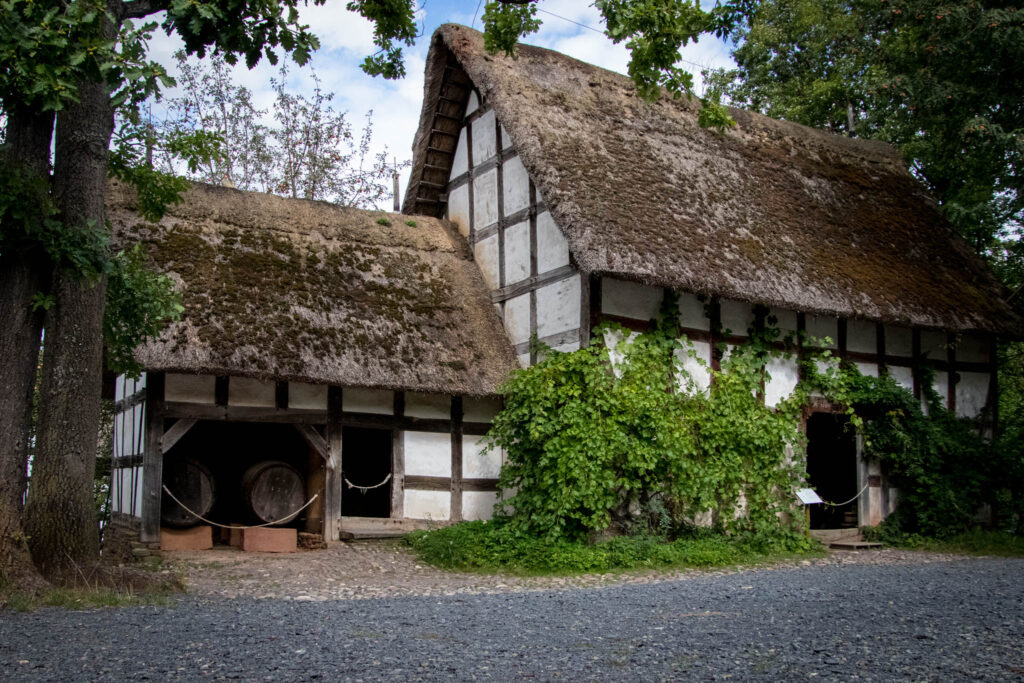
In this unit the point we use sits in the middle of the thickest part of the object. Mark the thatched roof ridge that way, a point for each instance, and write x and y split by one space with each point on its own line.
285 289
770 212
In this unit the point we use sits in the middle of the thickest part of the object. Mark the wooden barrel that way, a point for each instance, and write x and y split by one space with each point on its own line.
191 483
272 490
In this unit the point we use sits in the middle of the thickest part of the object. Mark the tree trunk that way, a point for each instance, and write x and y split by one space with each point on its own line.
60 515
22 274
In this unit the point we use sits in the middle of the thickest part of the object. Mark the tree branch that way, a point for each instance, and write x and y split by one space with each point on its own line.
137 9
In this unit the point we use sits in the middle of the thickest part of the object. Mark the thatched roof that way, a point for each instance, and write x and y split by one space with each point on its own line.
289 289
770 212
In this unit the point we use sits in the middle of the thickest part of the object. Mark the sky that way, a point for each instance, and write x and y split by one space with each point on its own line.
570 26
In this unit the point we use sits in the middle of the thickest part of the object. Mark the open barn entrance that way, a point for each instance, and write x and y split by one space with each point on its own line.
366 472
241 473
832 470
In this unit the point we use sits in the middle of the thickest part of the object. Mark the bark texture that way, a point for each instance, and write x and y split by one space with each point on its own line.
60 516
22 274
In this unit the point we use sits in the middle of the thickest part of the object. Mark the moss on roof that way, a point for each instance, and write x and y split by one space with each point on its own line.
278 288
770 212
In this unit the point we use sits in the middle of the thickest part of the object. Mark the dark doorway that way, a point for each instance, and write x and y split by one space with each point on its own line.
366 462
832 470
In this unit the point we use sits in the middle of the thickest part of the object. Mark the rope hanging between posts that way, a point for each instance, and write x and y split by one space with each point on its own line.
839 505
231 526
364 489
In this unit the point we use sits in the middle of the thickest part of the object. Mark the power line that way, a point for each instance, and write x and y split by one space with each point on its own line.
479 2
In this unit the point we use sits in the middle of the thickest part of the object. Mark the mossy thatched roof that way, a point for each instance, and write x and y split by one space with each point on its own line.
285 289
770 212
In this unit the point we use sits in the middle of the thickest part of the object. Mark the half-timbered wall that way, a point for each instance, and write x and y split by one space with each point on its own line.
440 470
522 254
126 472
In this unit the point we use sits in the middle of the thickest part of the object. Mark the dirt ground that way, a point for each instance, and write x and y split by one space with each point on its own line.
386 568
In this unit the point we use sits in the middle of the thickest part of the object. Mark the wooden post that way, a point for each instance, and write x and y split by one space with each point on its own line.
398 460
153 458
456 485
332 483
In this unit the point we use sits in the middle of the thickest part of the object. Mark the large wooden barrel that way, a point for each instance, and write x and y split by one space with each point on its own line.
272 490
191 483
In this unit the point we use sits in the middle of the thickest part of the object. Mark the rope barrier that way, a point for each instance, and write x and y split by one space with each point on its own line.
364 489
231 526
839 505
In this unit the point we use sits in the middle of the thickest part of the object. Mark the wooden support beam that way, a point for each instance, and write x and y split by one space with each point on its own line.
456 487
332 477
153 458
398 460
315 441
174 434
281 395
221 390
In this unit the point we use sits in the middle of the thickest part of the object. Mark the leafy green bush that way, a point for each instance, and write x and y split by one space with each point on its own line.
498 546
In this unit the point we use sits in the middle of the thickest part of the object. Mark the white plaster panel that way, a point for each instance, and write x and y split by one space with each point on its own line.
558 307
515 185
903 376
485 252
861 336
485 199
506 141
484 142
783 376
972 348
119 434
933 344
971 393
308 396
458 208
436 406
695 362
473 104
552 249
480 409
868 369
436 505
124 494
244 391
428 454
691 312
942 386
517 253
819 327
517 318
737 317
785 320
630 299
119 387
478 504
460 163
824 365
135 431
478 463
190 388
567 348
899 341
524 360
378 401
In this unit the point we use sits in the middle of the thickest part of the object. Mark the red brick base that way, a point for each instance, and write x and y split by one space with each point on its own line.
196 538
266 540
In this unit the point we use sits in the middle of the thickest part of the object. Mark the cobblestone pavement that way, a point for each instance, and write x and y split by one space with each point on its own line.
386 568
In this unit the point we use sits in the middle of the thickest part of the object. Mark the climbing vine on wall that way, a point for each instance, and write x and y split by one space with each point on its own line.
617 436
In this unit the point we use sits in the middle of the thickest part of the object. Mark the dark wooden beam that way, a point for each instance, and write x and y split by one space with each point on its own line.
221 390
332 475
951 374
174 434
398 460
281 395
152 458
129 402
533 282
456 488
313 438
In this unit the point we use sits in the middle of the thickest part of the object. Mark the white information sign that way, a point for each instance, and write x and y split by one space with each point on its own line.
808 496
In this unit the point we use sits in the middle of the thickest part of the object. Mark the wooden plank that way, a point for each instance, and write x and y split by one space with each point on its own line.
244 413
221 390
951 376
415 482
152 458
456 488
281 395
534 282
479 484
533 263
398 461
315 441
129 402
174 434
715 309
332 476
915 335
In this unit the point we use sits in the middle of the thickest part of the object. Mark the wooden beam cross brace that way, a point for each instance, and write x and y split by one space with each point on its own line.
174 434
313 438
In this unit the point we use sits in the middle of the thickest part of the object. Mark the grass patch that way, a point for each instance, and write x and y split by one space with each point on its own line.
78 599
491 546
974 542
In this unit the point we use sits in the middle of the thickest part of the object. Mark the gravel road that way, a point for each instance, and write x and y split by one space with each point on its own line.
952 620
